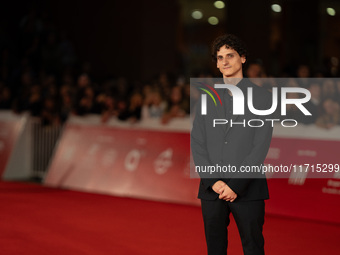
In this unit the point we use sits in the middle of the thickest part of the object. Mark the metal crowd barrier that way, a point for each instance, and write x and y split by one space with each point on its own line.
44 139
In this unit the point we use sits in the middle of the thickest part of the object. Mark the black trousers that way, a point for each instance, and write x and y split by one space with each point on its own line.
249 218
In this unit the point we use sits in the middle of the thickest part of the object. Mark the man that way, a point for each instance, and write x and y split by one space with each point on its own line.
241 194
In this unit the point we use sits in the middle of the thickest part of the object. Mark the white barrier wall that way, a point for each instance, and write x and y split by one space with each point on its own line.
152 161
14 146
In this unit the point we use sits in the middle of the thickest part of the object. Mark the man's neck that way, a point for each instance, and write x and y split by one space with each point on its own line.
232 80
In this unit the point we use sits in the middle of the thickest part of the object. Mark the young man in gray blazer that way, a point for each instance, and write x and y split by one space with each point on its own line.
235 145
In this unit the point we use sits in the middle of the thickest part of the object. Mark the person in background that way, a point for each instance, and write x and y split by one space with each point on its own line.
133 112
338 90
83 81
175 107
255 70
35 100
5 97
50 112
108 107
66 101
330 114
303 73
313 104
329 89
153 106
85 102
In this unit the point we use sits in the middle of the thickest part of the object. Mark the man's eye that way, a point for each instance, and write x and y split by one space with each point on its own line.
219 58
230 56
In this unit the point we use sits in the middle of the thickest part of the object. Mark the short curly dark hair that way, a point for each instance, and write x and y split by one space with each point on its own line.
230 41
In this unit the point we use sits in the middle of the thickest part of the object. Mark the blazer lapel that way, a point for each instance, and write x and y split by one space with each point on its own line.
220 110
241 85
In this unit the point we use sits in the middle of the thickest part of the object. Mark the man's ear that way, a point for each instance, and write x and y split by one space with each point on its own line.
243 59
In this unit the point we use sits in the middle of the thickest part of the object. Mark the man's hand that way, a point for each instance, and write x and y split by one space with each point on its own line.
227 194
218 186
224 191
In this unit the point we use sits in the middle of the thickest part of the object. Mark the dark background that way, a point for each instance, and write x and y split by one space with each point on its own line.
139 39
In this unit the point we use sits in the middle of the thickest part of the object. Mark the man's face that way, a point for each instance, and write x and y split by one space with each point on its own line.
230 62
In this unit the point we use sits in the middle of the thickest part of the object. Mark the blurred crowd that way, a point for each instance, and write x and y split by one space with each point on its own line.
324 105
40 73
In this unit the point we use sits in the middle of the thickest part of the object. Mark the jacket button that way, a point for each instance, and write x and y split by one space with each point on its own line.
226 142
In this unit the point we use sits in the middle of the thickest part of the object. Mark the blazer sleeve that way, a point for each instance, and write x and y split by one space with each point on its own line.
199 147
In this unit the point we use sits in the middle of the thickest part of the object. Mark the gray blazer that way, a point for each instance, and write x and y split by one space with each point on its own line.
235 146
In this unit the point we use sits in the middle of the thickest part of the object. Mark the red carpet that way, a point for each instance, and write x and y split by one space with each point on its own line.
38 220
